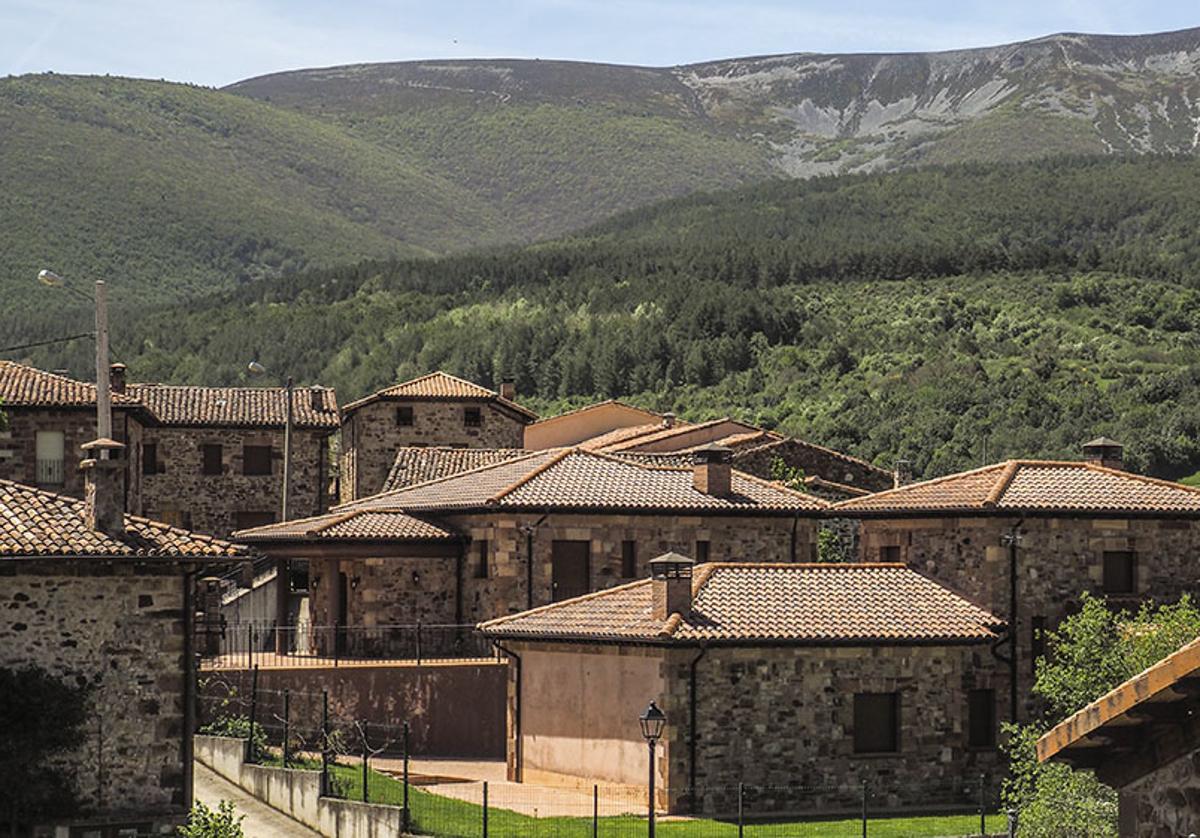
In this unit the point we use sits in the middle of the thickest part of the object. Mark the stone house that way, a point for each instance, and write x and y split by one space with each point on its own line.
779 676
1078 526
1142 739
523 532
97 597
50 417
434 410
212 457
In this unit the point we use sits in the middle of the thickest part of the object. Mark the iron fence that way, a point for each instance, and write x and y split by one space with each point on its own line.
246 645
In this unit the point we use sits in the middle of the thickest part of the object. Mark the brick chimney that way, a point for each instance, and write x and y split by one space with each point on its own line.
902 474
1106 452
508 388
116 378
668 420
104 492
316 398
712 470
671 579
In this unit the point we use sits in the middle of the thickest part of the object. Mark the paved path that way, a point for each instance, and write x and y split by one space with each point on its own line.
261 820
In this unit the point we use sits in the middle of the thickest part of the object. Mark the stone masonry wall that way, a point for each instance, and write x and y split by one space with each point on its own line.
813 461
1165 803
371 436
388 592
121 631
784 717
180 493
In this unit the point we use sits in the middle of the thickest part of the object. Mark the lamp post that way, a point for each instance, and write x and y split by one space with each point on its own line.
652 720
1012 540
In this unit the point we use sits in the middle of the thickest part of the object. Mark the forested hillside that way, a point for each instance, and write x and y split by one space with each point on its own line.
942 315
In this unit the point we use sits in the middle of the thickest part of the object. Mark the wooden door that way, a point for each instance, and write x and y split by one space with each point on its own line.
570 569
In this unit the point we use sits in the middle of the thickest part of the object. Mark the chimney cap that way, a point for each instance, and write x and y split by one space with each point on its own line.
711 453
1103 442
670 565
103 444
117 366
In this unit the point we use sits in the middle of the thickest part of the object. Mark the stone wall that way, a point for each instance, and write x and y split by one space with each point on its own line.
119 628
18 446
371 435
181 494
426 589
1164 803
812 460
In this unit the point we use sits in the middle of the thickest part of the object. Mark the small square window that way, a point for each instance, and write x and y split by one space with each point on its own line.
889 553
702 551
210 459
481 559
876 723
629 559
256 459
981 719
404 416
149 458
472 417
1120 572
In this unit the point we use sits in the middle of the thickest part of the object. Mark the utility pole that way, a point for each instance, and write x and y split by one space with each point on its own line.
1011 540
103 388
287 452
283 581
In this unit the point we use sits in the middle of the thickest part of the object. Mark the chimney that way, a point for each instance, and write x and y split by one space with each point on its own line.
508 388
116 378
712 472
1106 452
668 420
317 399
902 475
104 494
671 579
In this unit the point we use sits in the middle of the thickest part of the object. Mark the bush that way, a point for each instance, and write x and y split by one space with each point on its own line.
237 727
204 822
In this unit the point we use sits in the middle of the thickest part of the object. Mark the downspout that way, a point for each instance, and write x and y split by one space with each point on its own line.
795 535
692 724
530 529
518 746
458 584
189 684
1014 622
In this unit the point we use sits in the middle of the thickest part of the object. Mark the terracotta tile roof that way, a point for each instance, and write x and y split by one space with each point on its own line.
572 478
352 525
237 406
420 465
734 603
746 439
619 435
34 523
1033 486
24 386
679 429
441 386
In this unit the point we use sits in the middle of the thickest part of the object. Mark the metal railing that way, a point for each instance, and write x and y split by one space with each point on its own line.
51 472
246 645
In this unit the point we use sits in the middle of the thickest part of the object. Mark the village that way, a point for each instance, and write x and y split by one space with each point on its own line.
621 612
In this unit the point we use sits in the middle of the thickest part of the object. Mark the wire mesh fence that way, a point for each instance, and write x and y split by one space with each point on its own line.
245 645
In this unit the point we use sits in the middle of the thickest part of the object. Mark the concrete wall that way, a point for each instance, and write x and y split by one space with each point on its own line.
453 709
298 793
371 436
119 628
574 428
180 493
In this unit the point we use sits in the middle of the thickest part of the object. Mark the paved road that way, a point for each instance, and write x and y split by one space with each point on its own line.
261 820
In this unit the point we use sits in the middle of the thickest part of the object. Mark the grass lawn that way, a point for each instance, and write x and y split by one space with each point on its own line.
448 818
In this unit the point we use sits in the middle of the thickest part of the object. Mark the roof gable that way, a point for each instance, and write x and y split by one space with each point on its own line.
25 386
752 603
441 386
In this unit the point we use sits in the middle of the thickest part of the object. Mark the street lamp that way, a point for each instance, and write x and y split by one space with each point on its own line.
652 720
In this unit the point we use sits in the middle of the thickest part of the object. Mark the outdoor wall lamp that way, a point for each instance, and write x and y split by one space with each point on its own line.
354 583
652 720
416 578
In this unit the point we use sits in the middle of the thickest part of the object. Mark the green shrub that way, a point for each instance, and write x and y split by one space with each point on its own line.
204 822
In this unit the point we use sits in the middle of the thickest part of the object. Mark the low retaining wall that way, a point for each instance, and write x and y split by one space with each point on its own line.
297 793
452 709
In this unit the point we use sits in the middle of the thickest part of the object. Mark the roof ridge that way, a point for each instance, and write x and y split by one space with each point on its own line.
779 486
337 519
663 433
930 482
1006 478
823 448
442 479
495 621
530 475
594 405
806 565
1144 478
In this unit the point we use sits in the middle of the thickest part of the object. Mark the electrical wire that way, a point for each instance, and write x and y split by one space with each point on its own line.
50 342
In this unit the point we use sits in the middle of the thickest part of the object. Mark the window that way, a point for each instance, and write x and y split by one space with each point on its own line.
876 723
889 553
256 459
981 719
1037 644
404 416
150 458
702 551
481 559
1120 572
244 520
51 458
210 459
629 559
472 417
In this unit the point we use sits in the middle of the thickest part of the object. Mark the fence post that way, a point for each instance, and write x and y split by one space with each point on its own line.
287 715
253 712
407 820
366 797
741 809
485 808
325 787
864 809
595 810
982 807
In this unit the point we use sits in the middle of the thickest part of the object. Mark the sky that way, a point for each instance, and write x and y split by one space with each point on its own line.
216 42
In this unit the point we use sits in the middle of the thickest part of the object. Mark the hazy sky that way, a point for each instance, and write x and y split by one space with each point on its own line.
220 41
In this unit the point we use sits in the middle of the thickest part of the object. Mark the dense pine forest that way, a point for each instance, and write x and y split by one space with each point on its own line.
945 315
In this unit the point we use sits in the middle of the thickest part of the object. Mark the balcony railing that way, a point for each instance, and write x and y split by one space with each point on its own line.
50 472
245 645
